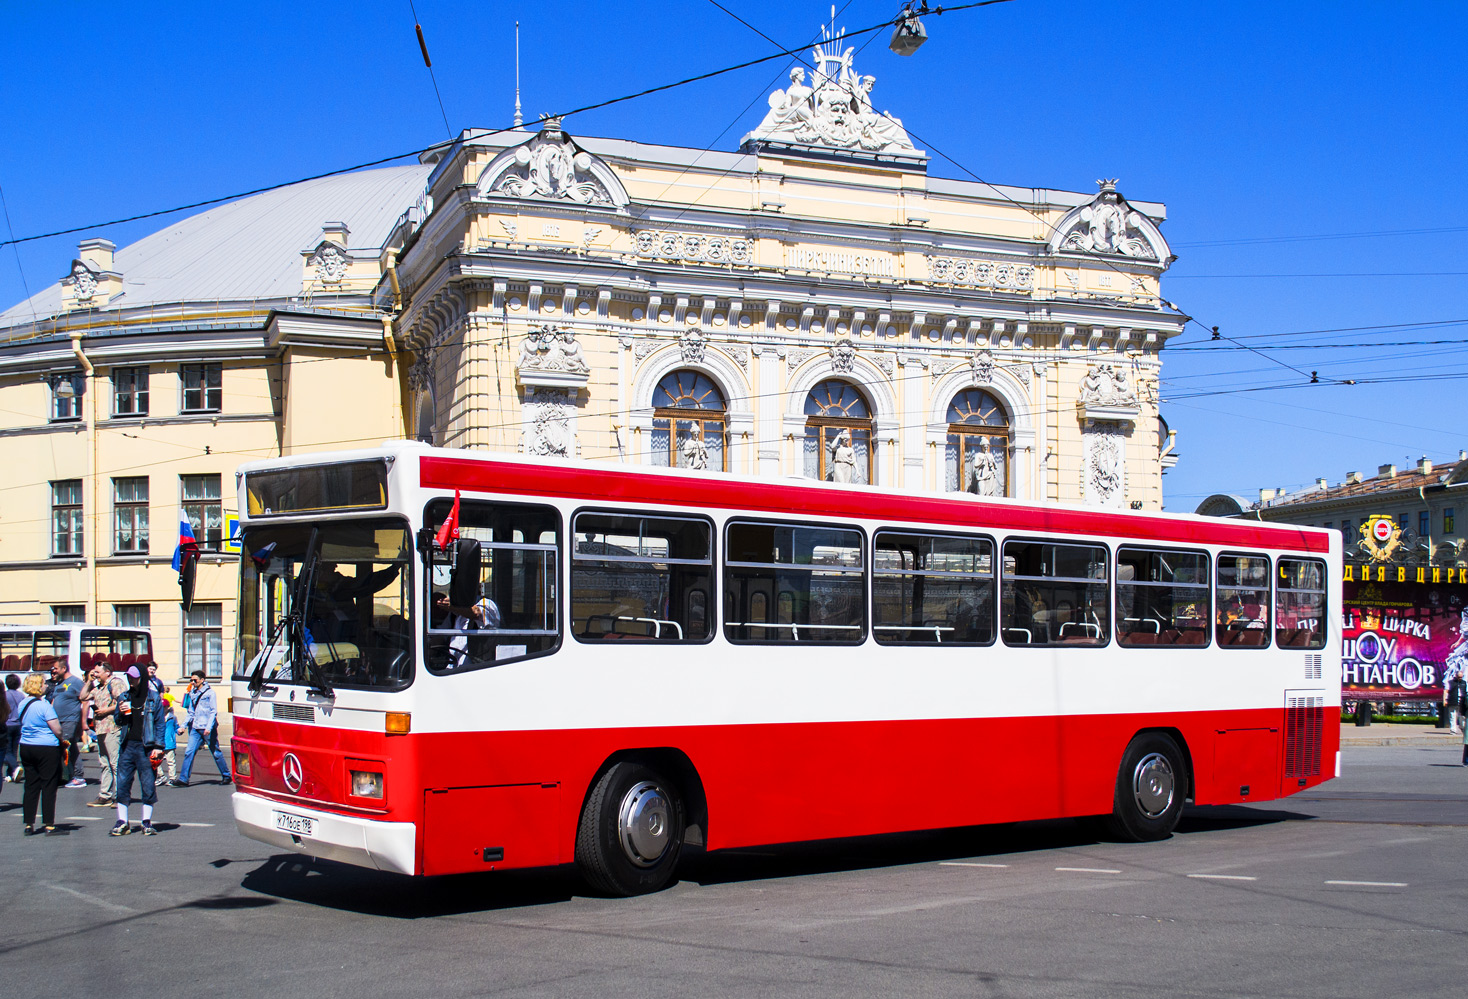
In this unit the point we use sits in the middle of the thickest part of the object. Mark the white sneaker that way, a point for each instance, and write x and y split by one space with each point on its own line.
76 782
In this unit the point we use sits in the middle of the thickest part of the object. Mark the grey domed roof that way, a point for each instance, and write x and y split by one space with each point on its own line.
248 250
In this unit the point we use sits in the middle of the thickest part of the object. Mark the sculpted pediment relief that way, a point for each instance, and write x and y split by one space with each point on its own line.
1109 225
551 167
833 111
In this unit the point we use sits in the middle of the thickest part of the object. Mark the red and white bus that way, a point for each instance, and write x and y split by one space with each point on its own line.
610 662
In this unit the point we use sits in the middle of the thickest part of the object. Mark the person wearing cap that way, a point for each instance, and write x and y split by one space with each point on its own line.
137 719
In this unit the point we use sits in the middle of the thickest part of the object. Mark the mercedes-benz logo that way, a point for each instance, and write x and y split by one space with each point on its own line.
290 769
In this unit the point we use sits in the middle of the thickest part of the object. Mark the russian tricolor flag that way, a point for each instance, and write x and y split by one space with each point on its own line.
186 540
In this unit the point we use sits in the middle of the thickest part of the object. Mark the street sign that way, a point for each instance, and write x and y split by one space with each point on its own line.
231 534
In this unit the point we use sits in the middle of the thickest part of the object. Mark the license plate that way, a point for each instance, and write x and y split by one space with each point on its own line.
298 825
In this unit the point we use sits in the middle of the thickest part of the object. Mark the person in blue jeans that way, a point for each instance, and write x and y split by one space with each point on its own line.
203 727
10 747
141 744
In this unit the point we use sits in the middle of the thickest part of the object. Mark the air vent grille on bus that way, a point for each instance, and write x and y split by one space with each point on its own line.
1304 726
294 712
1313 663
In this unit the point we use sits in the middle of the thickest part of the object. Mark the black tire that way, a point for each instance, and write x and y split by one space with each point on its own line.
631 831
1150 787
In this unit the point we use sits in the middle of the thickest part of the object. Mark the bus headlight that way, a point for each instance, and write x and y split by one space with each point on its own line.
241 763
366 784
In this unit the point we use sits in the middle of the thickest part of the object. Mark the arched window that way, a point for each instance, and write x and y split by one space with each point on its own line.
689 426
977 455
838 433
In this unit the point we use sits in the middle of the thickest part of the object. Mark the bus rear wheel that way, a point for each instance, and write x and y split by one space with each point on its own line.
631 831
1150 787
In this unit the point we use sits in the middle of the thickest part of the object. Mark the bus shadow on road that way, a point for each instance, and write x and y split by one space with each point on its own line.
888 850
340 886
375 893
1214 818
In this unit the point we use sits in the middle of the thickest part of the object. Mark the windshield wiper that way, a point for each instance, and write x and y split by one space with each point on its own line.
300 605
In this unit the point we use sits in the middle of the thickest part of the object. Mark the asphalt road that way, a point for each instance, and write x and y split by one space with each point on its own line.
1357 889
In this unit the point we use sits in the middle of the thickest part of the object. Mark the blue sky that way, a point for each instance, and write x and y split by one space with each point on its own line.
1258 124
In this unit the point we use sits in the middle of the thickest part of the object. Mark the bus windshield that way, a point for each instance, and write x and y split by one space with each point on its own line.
354 602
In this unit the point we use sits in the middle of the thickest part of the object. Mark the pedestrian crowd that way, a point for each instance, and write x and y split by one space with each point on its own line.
130 719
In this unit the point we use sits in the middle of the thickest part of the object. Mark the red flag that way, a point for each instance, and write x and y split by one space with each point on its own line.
449 531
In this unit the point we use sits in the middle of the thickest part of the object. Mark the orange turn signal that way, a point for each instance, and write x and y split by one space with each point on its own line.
399 722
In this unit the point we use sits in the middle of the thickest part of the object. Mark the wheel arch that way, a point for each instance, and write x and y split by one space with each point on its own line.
676 766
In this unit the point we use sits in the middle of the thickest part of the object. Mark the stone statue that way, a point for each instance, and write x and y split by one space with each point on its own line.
986 471
1106 385
835 111
695 454
551 349
843 458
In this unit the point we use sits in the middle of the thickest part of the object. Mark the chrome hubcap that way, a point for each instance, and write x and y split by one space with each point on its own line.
1153 785
645 823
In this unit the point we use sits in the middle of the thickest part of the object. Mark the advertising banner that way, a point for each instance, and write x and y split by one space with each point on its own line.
1404 636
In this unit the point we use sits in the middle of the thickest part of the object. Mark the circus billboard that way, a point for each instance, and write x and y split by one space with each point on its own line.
1404 635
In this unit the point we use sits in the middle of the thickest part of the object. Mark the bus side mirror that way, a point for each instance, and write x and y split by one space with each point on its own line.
464 583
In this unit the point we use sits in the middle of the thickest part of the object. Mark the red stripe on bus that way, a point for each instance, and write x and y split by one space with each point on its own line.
668 490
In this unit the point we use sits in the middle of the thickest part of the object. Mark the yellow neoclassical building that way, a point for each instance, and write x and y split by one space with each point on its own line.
813 304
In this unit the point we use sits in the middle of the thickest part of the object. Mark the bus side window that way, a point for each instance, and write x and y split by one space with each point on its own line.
813 573
515 615
1161 597
932 589
1055 593
1299 604
1242 616
639 578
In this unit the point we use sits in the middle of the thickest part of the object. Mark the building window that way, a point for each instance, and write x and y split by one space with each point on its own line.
1447 520
68 613
130 516
129 391
66 398
1346 532
1424 524
204 639
66 517
838 433
132 616
201 388
202 509
689 428
1329 524
977 455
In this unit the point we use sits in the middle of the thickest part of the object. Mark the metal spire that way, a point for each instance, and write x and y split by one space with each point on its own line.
518 118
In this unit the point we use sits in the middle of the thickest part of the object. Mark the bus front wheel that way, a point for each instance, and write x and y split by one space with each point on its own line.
1150 788
631 831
